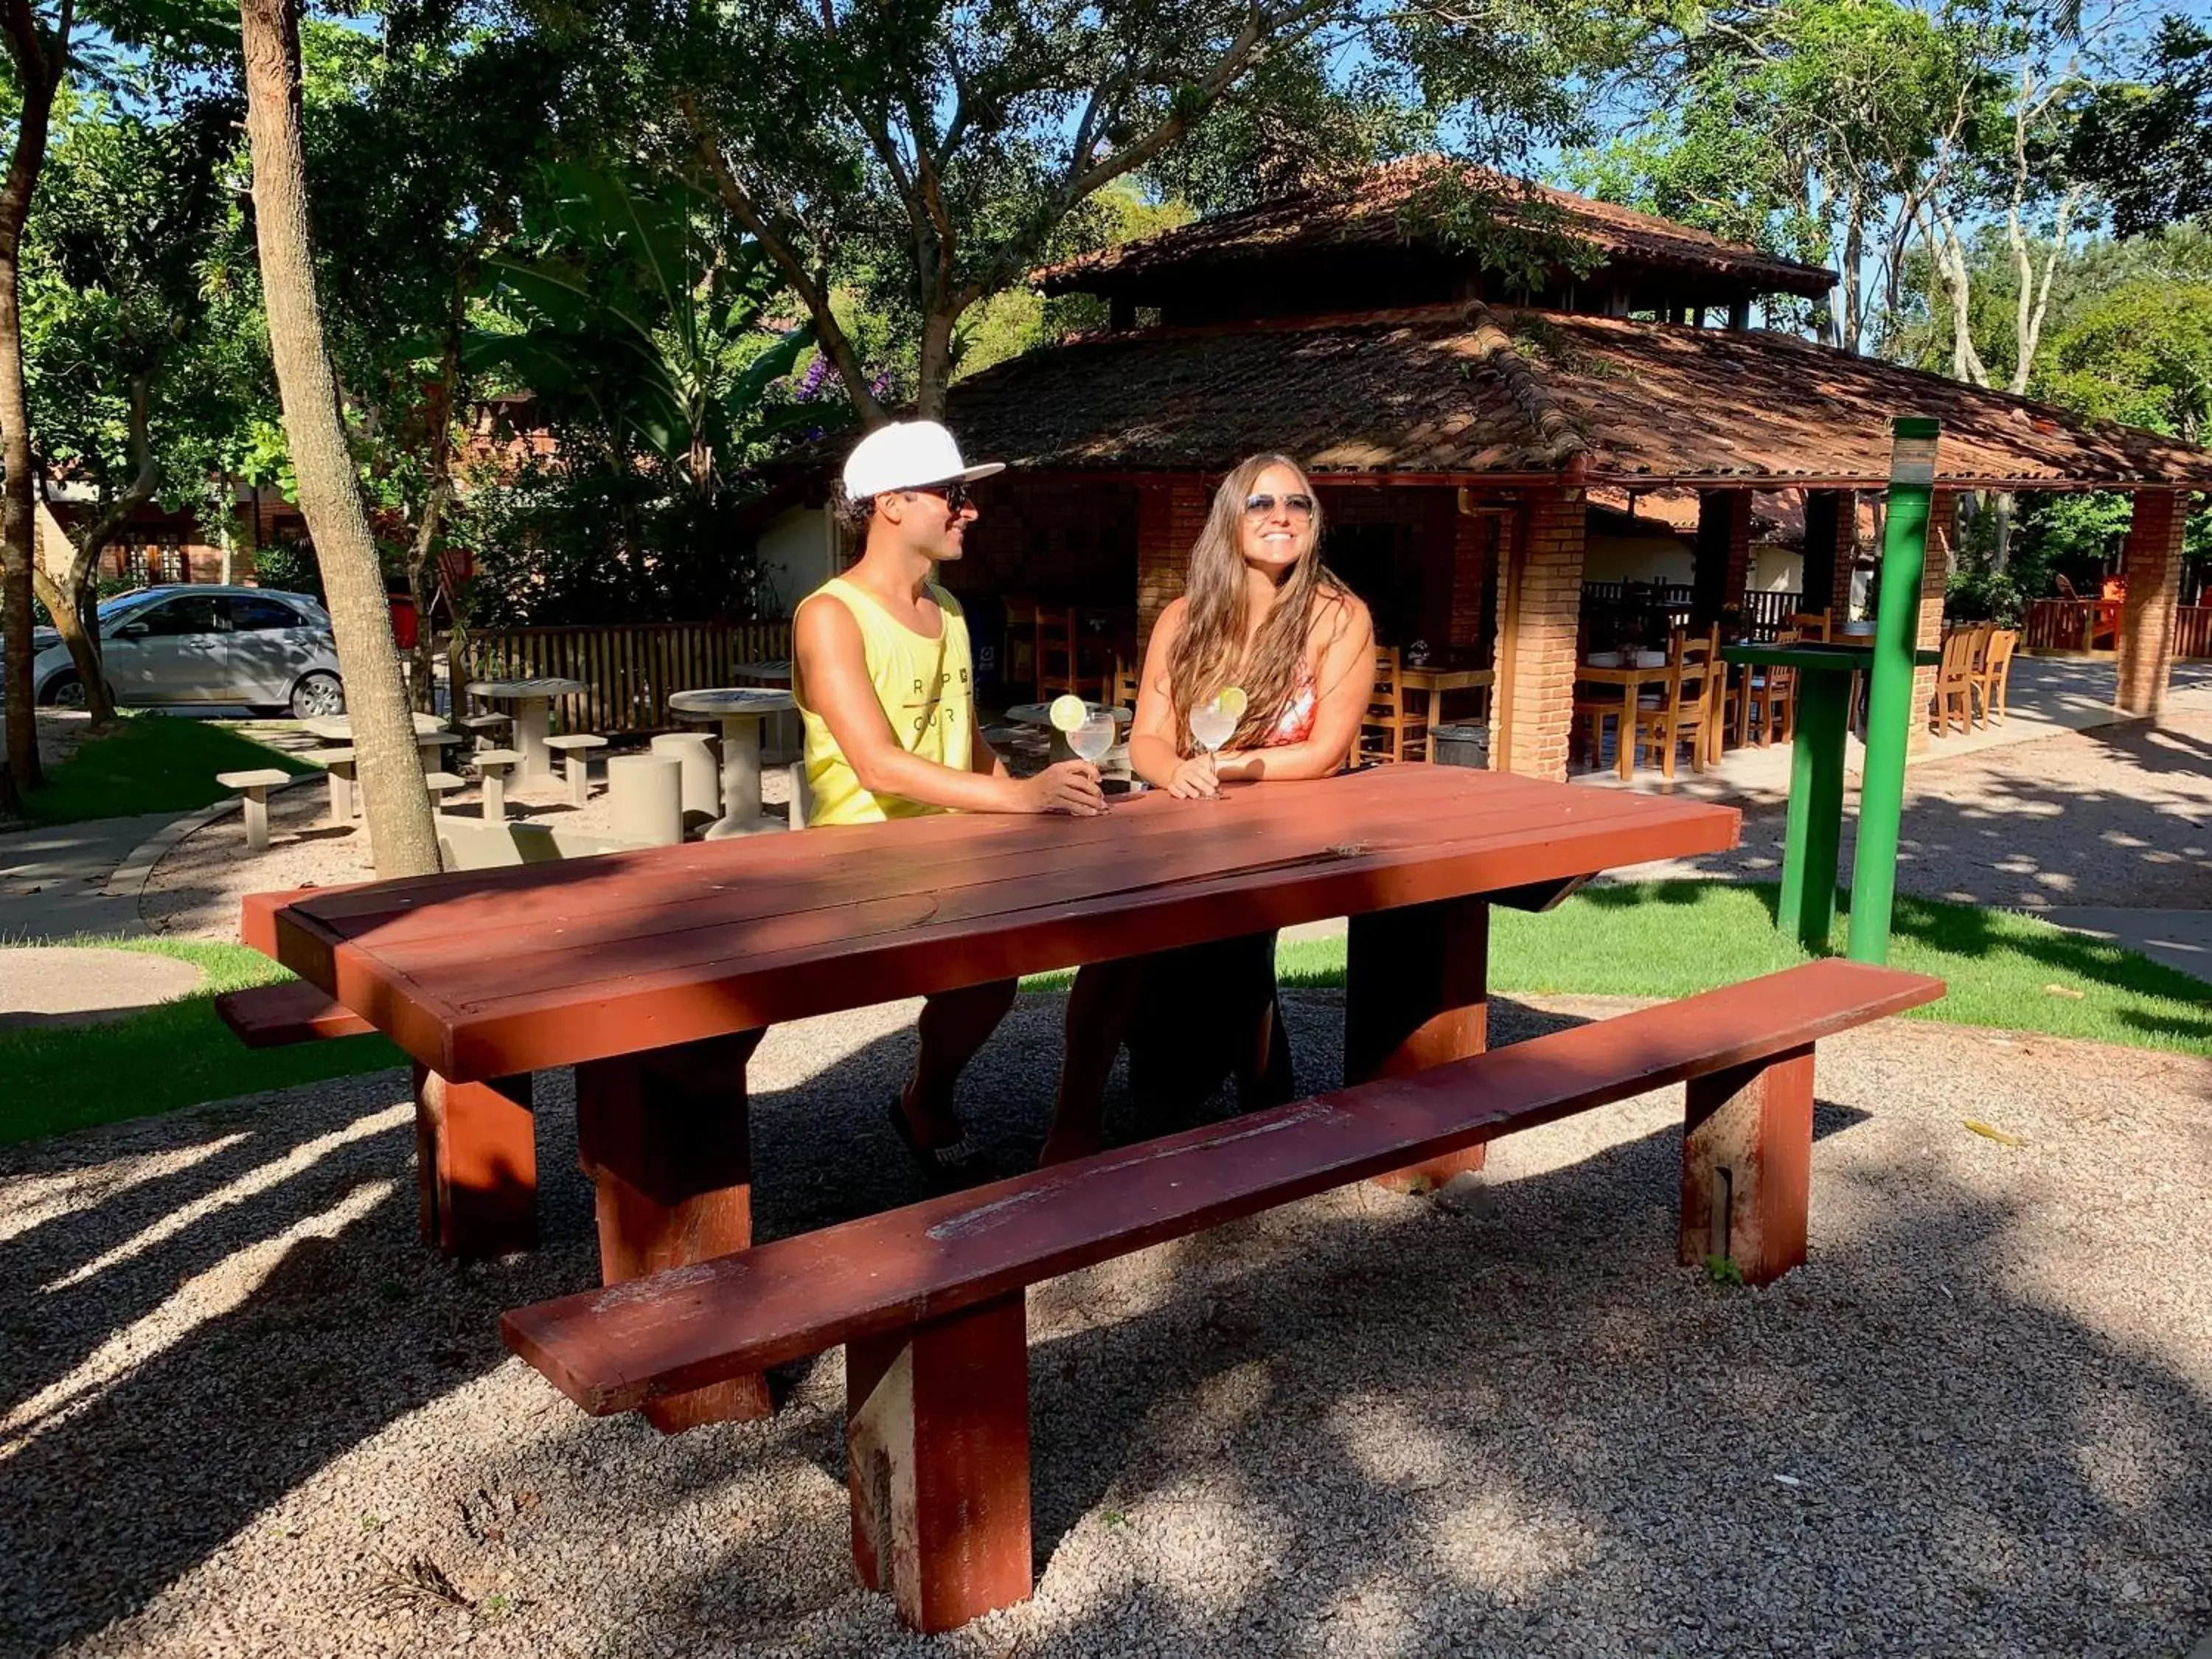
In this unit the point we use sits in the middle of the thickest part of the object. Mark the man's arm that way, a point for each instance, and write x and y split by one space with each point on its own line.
832 682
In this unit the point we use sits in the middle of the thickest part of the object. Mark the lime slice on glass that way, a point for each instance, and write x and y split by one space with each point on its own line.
1067 712
1233 702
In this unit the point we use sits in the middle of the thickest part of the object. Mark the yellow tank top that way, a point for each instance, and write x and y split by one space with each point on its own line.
927 689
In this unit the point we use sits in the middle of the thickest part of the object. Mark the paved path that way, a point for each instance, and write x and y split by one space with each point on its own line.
2179 939
50 879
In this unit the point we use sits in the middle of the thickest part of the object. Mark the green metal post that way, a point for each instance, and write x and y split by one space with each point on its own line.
1889 700
1808 908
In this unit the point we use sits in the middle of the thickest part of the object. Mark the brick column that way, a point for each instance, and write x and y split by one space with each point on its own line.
1934 577
1831 549
2151 565
1723 559
1539 603
1473 580
1170 512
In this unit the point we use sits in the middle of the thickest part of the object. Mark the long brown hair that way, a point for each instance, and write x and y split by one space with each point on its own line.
1208 655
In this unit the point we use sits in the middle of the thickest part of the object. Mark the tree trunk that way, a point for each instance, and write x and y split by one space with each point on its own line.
402 835
39 63
66 602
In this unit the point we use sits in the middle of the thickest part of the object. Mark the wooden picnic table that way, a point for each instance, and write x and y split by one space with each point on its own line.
653 972
1437 680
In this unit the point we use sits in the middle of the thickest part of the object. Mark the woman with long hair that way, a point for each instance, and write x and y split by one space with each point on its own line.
1260 613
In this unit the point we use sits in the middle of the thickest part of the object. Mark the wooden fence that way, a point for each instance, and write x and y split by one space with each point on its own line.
629 667
2087 625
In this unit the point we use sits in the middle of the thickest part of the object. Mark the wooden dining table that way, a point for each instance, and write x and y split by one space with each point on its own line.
653 972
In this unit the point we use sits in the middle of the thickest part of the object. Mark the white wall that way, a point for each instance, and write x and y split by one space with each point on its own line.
797 553
1776 570
1636 559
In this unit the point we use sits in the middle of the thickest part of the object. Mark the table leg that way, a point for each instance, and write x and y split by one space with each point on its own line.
662 1135
1416 995
532 719
1625 760
476 1168
741 780
1807 907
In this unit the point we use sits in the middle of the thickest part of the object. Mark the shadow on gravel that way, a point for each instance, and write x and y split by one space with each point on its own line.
1948 1483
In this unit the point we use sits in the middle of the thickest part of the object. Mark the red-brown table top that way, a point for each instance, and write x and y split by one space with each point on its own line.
491 973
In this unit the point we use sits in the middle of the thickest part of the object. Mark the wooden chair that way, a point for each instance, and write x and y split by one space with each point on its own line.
1689 708
1954 684
1121 678
1765 701
1810 624
1390 730
1992 680
928 1300
1054 656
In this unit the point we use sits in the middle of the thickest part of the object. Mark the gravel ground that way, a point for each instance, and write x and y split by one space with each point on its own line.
246 1414
2121 814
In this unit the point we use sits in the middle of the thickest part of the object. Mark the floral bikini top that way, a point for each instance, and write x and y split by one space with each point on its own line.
1297 724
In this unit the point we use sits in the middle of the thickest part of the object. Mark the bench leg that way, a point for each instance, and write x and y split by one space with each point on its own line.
257 820
1747 1166
477 1165
341 797
936 1424
663 1136
579 780
495 797
1416 995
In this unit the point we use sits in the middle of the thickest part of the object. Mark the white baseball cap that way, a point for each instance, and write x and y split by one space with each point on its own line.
907 455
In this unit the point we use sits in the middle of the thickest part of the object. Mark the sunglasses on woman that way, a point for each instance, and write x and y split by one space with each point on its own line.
1298 506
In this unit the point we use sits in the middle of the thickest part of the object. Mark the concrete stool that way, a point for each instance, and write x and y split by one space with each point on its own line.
487 730
340 765
576 762
442 783
255 787
492 768
802 796
432 746
647 793
702 780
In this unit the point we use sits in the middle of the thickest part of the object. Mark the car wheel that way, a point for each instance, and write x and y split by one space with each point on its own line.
318 696
65 691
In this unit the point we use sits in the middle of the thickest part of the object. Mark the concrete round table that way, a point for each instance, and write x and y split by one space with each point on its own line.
740 708
533 702
1040 713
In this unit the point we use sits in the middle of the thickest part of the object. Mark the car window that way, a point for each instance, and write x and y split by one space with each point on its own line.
249 615
191 613
122 606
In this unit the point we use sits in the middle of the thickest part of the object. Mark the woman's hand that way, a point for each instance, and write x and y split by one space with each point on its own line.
1194 780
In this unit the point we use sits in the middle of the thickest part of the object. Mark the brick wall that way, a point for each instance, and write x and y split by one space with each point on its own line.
1831 549
1934 577
1723 557
2151 564
1536 648
1169 515
1475 540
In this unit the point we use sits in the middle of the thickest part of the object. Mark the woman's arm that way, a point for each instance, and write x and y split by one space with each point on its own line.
1346 683
1155 745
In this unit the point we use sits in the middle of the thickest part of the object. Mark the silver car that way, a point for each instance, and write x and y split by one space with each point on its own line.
272 652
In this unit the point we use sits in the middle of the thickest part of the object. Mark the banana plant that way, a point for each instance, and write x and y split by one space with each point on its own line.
635 311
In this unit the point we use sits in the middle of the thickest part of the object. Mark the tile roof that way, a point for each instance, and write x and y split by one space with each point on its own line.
1473 391
1372 210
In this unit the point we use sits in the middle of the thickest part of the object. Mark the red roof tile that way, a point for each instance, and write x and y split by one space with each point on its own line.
1373 210
1470 391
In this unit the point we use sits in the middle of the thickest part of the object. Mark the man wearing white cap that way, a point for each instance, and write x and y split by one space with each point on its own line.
885 687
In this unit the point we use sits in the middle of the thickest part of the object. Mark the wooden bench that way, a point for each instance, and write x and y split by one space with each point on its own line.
928 1299
254 789
278 1016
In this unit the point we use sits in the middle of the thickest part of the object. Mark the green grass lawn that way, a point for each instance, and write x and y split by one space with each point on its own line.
151 763
176 1055
1658 939
1670 938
